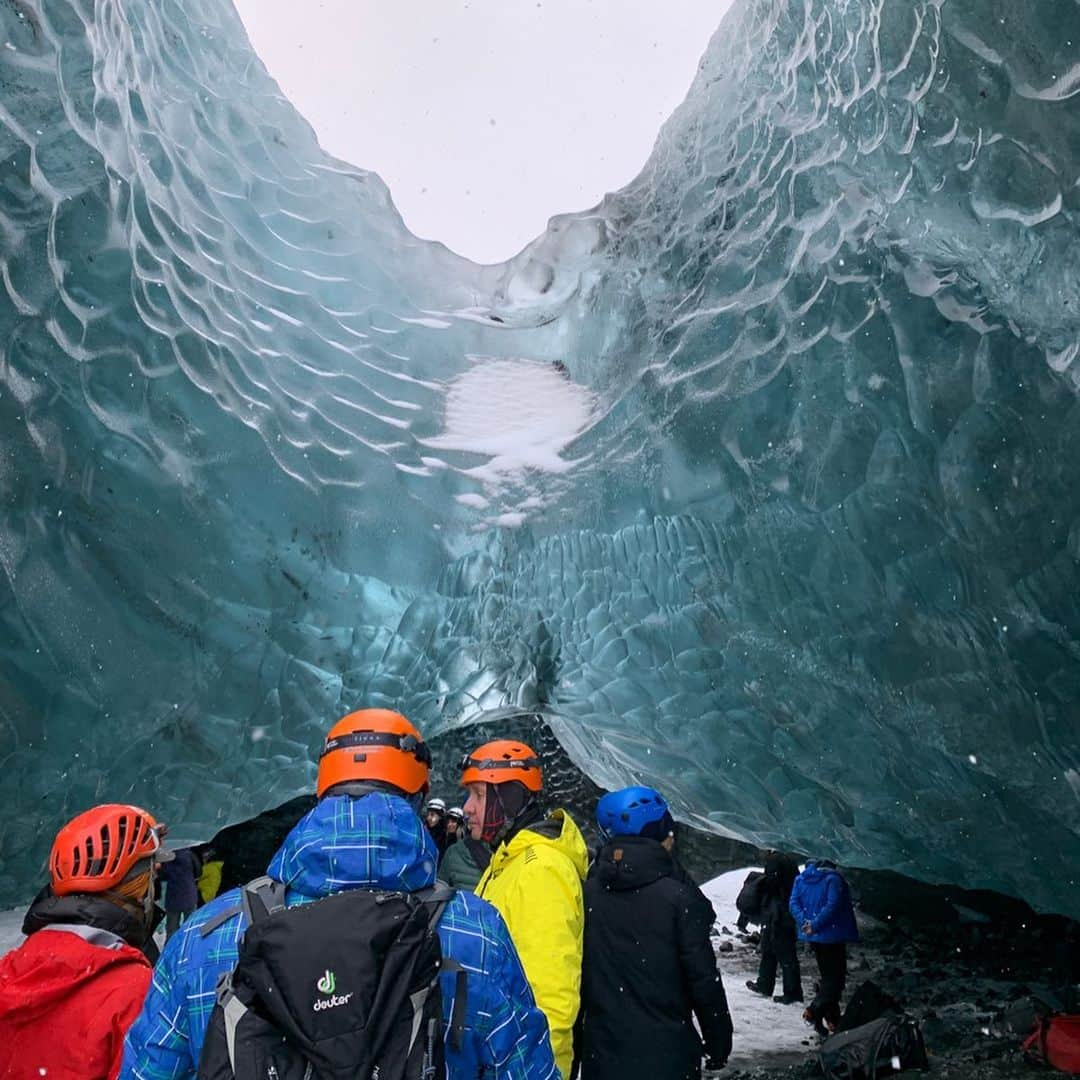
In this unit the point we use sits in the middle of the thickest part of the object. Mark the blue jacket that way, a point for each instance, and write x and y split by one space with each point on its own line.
376 841
820 897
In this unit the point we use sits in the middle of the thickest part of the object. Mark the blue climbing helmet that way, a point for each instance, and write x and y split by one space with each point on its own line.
634 811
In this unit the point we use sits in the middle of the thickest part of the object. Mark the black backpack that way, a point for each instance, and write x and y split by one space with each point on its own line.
346 986
884 1046
869 1002
751 899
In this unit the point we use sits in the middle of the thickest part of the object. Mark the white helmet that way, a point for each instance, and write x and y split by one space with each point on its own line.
436 804
456 813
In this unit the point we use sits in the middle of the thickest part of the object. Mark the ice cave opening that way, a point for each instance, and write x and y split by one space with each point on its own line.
759 479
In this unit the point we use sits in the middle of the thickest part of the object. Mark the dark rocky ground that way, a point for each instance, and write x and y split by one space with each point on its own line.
959 977
955 959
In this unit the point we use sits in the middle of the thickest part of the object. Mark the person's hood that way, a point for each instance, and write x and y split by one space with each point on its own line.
557 830
376 841
781 872
88 909
40 976
631 862
814 874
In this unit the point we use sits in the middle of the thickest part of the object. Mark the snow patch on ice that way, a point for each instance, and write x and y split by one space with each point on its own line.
520 413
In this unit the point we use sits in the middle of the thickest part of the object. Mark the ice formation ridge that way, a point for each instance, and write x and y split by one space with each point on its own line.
761 479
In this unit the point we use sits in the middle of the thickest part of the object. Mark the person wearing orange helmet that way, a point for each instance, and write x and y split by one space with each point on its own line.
534 877
364 834
70 991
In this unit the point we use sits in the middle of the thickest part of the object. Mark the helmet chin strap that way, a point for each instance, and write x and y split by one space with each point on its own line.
144 909
509 820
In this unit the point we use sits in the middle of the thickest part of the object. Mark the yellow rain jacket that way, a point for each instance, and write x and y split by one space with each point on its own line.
534 881
209 883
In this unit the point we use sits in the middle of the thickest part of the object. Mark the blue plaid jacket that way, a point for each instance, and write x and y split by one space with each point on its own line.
376 841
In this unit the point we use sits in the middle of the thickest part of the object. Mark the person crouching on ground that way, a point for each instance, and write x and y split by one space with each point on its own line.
649 968
534 878
70 991
364 833
822 909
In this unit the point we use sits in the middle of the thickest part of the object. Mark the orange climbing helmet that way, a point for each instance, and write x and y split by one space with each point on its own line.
375 744
501 761
96 851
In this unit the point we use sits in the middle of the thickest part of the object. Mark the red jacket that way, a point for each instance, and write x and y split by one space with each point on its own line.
68 994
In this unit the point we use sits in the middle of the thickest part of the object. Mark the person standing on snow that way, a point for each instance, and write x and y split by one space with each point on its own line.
778 932
70 991
534 877
463 863
649 967
822 909
364 833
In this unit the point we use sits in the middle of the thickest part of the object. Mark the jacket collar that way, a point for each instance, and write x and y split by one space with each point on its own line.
558 830
92 935
91 911
631 862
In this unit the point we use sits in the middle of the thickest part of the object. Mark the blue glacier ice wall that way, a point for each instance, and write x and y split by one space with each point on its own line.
761 480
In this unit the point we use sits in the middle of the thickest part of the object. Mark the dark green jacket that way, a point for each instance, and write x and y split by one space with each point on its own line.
458 868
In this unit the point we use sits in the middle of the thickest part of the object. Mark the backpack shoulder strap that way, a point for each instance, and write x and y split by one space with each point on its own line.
438 896
219 919
891 1025
261 898
258 898
233 1010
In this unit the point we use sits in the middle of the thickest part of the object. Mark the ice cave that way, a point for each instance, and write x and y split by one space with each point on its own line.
760 481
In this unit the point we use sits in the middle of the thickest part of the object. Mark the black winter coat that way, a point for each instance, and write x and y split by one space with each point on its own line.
780 874
648 965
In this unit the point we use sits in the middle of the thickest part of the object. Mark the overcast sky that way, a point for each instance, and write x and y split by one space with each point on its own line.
486 117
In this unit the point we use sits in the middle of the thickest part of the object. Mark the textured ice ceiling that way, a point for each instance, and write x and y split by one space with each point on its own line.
762 479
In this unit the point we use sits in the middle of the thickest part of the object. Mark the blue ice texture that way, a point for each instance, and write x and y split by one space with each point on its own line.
761 479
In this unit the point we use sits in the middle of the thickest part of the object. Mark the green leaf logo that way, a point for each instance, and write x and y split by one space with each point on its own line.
327 983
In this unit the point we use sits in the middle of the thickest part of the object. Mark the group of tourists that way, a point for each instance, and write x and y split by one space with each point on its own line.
358 955
813 906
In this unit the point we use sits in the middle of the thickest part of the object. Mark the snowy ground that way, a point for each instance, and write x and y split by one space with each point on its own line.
765 1033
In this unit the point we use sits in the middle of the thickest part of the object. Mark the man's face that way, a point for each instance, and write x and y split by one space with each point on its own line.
475 806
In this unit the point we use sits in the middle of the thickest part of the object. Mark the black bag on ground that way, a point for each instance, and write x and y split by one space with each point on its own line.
751 898
868 1002
346 986
879 1048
